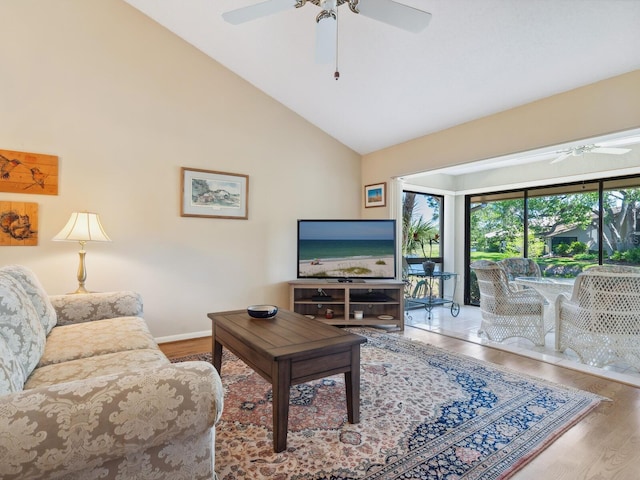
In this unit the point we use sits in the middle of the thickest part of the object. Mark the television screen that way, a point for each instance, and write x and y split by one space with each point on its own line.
347 249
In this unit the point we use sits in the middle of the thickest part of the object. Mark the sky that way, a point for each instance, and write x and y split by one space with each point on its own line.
346 230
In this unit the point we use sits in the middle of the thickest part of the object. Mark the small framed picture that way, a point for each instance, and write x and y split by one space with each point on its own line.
18 224
375 195
207 193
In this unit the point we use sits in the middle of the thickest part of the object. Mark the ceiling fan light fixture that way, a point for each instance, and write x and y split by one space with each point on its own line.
325 14
326 39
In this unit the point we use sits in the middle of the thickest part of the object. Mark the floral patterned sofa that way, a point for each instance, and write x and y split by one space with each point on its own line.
85 393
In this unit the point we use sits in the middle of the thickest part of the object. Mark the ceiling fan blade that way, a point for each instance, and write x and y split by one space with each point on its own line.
620 142
610 150
326 40
562 157
252 12
396 14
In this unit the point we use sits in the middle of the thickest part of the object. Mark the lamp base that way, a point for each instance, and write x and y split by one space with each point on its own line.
82 271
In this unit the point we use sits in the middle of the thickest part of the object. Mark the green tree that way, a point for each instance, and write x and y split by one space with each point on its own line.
408 209
494 225
417 230
621 218
549 213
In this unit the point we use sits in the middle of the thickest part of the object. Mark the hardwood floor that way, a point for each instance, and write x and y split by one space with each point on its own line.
186 347
603 446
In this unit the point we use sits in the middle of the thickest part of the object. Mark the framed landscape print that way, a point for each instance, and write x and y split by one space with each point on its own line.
207 193
22 172
375 195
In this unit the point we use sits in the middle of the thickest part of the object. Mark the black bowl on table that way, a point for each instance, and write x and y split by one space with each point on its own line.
262 311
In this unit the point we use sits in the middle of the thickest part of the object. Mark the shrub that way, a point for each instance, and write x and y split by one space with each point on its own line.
561 249
577 247
631 256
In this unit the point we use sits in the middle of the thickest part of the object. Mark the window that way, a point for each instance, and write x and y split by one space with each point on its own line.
621 221
421 227
422 241
564 228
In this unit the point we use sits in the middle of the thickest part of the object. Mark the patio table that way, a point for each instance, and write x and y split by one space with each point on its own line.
549 288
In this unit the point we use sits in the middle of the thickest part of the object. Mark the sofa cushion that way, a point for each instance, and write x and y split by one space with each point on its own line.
98 365
20 324
11 374
36 293
96 306
81 340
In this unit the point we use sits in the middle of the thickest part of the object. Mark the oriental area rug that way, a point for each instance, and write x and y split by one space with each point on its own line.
425 413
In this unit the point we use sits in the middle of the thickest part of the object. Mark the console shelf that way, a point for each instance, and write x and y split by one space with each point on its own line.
375 298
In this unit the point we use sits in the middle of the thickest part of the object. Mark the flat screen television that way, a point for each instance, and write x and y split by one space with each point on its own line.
347 250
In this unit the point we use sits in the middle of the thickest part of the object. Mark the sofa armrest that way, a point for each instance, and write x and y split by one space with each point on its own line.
96 306
50 432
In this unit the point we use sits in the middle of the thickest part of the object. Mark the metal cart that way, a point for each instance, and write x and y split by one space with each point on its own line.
429 292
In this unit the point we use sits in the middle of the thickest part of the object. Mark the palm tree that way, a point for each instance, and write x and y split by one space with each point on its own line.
416 232
408 208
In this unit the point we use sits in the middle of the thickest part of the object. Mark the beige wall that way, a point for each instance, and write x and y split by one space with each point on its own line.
608 106
605 107
124 104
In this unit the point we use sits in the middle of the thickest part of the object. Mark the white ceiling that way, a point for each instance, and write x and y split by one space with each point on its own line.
476 57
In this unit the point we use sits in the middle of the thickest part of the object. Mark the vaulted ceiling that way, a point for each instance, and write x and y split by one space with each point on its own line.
476 57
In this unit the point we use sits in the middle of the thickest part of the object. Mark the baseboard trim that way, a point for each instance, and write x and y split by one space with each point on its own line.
183 336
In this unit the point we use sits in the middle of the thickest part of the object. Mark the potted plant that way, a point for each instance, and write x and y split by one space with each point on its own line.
428 265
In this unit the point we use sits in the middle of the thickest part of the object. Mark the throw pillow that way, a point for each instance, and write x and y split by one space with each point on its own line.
11 374
20 325
36 293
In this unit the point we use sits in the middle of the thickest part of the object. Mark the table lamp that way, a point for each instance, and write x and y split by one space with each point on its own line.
82 227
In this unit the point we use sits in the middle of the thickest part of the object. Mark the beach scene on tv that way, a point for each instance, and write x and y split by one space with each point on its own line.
346 249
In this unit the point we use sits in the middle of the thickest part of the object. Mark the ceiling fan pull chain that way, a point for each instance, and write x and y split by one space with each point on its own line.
336 74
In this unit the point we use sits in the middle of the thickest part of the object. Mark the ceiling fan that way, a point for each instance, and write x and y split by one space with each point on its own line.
386 11
592 148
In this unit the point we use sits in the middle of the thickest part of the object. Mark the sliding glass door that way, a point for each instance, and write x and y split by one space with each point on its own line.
496 230
621 221
564 228
422 241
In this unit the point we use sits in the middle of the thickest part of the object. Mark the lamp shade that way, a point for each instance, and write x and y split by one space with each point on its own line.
83 227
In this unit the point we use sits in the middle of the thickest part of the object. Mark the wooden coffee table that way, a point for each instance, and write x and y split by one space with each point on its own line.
287 350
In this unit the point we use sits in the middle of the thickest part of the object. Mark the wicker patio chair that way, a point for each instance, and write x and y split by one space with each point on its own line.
519 267
614 269
601 320
507 313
